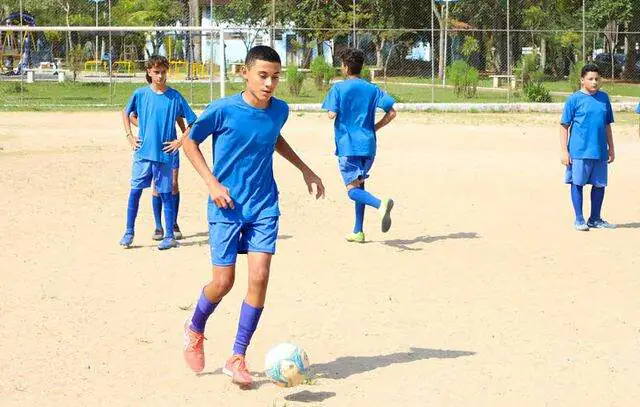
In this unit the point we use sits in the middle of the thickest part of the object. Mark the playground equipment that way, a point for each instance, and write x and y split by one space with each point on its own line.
21 50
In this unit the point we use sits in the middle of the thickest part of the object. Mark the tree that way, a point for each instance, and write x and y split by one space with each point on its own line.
246 13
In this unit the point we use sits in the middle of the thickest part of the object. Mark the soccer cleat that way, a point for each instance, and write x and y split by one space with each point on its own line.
167 243
127 239
236 368
355 237
158 234
193 351
385 214
176 232
600 224
581 226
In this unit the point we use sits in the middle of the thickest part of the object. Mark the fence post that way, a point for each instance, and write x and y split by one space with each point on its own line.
223 67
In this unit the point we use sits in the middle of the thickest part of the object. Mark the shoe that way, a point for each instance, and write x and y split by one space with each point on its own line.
236 368
581 226
176 232
127 239
193 351
355 237
167 243
385 214
158 234
600 224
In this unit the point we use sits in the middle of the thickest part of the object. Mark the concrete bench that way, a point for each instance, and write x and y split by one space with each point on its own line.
497 78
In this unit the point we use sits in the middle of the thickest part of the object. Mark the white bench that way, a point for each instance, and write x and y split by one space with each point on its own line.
497 78
31 74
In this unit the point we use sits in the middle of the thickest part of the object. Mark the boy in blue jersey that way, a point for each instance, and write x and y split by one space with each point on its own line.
243 200
353 103
586 142
156 200
157 108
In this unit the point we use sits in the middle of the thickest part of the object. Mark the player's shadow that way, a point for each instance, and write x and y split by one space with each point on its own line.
632 225
404 244
346 366
201 234
307 396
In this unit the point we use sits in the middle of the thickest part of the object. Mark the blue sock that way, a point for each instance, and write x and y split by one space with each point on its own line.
357 228
363 197
132 208
157 210
169 218
597 197
203 310
576 199
247 325
176 206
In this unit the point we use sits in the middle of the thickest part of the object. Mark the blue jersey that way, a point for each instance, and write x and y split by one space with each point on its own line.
588 116
244 139
157 114
355 101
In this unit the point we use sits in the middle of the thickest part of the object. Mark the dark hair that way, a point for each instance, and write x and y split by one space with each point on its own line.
589 68
261 53
155 60
353 59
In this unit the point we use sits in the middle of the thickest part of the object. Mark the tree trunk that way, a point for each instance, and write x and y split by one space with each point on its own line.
69 41
630 70
194 20
543 53
379 44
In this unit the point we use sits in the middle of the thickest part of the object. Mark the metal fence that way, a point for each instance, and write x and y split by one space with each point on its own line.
79 53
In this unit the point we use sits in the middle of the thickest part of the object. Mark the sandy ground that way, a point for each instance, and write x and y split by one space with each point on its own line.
481 294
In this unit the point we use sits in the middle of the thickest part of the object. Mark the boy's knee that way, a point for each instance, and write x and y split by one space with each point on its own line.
223 282
259 276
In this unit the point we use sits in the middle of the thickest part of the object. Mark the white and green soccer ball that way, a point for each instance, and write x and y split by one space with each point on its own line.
287 364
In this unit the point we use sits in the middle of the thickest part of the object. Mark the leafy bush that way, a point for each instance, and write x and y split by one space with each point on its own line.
465 79
574 75
295 79
366 74
322 72
537 92
529 70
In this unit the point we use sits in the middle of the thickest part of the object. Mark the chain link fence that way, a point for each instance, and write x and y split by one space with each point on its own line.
84 54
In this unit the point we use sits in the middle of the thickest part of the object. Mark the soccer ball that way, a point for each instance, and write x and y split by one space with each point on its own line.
286 364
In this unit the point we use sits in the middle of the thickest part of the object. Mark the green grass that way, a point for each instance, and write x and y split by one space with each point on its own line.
92 96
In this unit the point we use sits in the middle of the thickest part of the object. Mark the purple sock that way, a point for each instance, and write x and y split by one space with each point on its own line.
247 325
204 308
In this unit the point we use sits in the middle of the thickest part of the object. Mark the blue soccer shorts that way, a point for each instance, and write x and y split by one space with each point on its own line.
144 171
587 171
354 168
227 240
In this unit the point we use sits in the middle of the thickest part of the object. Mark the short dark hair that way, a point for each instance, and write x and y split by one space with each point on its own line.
155 60
261 53
589 68
353 59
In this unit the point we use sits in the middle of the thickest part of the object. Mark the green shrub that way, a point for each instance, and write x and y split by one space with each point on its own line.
322 72
574 75
537 92
529 70
295 80
465 79
366 74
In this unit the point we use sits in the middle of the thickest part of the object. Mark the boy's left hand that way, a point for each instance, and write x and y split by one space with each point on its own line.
172 146
612 156
311 178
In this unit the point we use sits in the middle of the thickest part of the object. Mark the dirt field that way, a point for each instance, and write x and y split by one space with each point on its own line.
481 294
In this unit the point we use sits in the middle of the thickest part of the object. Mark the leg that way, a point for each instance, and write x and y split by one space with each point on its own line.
176 204
132 213
576 200
597 198
157 214
223 242
163 177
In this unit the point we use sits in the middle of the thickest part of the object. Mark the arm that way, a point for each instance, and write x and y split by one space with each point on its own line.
133 118
284 149
219 193
332 115
173 146
565 158
612 151
386 119
133 140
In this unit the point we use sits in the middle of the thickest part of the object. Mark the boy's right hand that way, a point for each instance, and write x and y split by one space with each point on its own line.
134 141
566 159
220 196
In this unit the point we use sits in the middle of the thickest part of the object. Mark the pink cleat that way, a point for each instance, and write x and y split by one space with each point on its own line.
236 368
193 348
